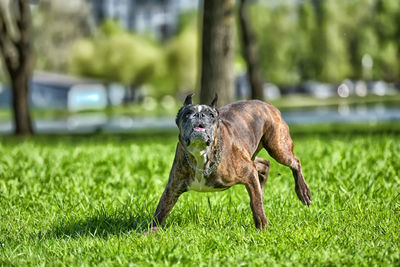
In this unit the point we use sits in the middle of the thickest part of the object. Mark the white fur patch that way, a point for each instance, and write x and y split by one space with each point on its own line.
200 186
200 108
199 182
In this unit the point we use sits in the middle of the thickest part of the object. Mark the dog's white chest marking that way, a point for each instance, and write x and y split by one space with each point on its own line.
200 185
199 182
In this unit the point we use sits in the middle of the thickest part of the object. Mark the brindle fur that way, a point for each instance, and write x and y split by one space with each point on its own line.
246 127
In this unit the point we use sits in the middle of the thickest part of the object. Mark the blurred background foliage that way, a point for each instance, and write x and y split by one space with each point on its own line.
115 54
327 41
52 45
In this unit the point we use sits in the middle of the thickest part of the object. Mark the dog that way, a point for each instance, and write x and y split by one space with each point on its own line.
217 149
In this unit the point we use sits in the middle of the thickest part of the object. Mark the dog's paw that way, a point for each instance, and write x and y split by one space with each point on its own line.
303 193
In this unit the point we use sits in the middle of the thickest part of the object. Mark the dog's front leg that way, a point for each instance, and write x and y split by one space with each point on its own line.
168 199
256 201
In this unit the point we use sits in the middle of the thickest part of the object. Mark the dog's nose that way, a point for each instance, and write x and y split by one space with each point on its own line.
199 115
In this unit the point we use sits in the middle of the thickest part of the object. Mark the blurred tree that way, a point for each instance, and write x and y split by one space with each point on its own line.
359 35
310 40
181 56
278 49
118 56
331 51
387 25
16 48
188 19
217 51
179 64
57 25
250 52
307 27
366 46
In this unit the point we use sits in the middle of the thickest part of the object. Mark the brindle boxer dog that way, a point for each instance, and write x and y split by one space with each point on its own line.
217 149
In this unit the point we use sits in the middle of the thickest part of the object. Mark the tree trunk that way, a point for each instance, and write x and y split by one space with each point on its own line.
17 53
250 53
20 102
217 51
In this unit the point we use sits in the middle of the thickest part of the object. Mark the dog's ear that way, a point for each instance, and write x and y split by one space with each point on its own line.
214 102
188 99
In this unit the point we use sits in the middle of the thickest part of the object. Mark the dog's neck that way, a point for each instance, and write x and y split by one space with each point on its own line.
204 156
201 154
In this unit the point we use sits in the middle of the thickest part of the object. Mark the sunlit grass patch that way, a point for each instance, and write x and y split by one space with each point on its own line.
73 200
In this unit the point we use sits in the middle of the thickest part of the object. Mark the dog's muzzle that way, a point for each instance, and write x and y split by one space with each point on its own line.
199 134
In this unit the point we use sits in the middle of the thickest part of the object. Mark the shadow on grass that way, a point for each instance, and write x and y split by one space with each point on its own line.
100 225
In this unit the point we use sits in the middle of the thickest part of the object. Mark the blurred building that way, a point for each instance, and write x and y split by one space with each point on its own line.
58 91
157 17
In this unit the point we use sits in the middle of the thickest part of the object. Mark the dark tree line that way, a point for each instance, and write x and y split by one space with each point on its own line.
328 40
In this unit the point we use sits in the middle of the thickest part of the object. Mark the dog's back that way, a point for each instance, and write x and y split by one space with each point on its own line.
252 119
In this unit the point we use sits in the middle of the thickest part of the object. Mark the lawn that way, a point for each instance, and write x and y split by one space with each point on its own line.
87 200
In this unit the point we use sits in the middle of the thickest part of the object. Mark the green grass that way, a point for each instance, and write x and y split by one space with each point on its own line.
87 200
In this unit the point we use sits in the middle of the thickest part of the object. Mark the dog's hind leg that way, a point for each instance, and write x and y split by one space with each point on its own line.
279 145
262 166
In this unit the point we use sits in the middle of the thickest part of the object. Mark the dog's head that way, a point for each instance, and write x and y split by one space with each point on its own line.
197 123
